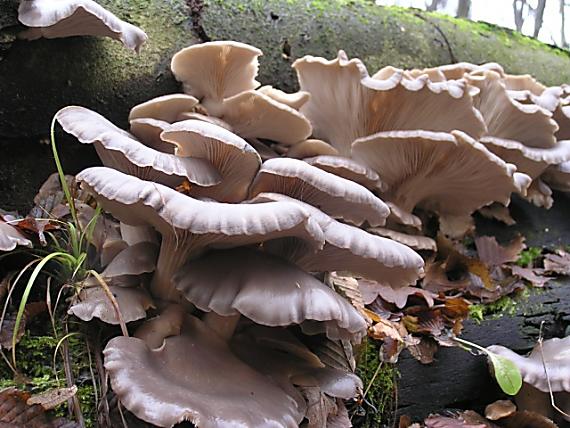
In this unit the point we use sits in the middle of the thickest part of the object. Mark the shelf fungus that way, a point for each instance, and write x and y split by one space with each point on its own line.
66 18
11 237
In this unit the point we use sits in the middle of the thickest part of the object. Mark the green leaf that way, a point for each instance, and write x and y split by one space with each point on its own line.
507 373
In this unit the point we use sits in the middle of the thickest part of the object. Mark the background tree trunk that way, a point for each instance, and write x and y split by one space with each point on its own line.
463 9
435 5
563 41
538 17
519 7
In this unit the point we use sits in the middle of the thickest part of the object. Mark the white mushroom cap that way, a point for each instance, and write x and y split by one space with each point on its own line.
216 70
558 176
417 242
447 173
10 237
148 132
336 196
118 149
347 168
236 161
268 290
311 147
167 107
195 377
346 103
65 18
294 100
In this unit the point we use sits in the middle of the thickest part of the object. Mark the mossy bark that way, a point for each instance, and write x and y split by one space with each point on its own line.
37 78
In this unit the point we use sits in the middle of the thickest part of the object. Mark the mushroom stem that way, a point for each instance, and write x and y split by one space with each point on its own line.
224 326
168 323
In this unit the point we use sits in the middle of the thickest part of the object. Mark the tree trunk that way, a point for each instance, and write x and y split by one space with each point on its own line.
435 5
463 9
38 78
538 17
518 10
563 42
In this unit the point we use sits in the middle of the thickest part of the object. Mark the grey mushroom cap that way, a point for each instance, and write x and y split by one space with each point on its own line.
348 248
212 388
268 290
336 196
10 237
119 150
133 260
148 132
236 161
65 18
418 170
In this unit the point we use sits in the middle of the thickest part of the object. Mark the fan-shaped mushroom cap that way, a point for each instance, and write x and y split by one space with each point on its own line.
558 176
529 160
65 18
446 173
539 194
10 237
135 234
338 197
94 303
133 261
523 82
148 132
347 168
389 101
195 377
398 216
458 70
294 100
205 118
416 242
216 70
188 225
348 248
232 156
167 107
310 148
268 290
118 149
506 118
253 114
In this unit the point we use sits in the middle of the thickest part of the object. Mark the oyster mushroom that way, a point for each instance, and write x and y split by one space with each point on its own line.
118 149
348 168
10 237
167 108
534 395
268 290
294 100
310 148
336 196
65 18
417 169
187 225
385 102
212 389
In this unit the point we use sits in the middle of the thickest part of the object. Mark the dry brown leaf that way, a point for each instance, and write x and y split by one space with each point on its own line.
493 254
349 287
558 263
498 212
424 351
340 418
7 330
531 275
392 335
319 406
437 281
17 414
500 409
52 398
438 421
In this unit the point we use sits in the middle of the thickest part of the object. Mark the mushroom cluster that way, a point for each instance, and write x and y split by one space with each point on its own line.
232 254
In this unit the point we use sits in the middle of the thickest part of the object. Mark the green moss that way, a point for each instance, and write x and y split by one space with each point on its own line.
377 408
34 356
505 306
528 256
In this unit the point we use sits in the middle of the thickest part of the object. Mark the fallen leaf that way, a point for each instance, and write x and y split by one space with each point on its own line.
7 329
424 351
319 406
392 335
52 398
437 281
493 254
558 263
17 414
498 212
349 287
340 418
500 409
438 421
531 275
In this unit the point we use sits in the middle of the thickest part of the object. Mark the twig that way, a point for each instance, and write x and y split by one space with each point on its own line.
73 401
552 402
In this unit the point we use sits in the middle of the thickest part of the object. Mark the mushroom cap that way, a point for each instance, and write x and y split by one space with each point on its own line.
311 147
556 354
148 132
417 242
558 176
500 409
216 70
133 261
93 302
294 100
268 290
254 114
509 119
65 18
336 196
167 107
402 217
10 237
118 149
348 248
539 194
529 160
138 203
523 82
446 173
388 101
195 377
236 161
347 168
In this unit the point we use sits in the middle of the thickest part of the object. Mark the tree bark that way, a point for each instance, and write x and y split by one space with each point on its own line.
519 7
435 5
538 17
463 9
563 41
